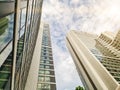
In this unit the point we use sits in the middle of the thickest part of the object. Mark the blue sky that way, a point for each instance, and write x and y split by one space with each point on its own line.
94 16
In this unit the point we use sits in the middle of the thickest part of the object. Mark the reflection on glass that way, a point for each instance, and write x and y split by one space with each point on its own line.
44 79
3 25
29 14
46 86
19 52
6 35
21 32
5 73
6 30
23 17
20 45
43 86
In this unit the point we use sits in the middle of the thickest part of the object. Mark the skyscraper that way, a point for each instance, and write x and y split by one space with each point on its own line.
97 59
46 74
19 28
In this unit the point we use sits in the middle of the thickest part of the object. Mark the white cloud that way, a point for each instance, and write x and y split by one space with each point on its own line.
104 12
66 76
82 10
74 2
87 15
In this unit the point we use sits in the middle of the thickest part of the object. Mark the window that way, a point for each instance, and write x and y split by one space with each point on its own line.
50 58
44 47
45 86
44 72
41 61
41 72
45 57
47 67
6 30
39 86
30 9
21 32
44 79
47 62
47 79
41 78
44 53
23 17
47 72
44 66
41 66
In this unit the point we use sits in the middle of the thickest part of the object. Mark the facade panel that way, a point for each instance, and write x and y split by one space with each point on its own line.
19 27
46 74
96 59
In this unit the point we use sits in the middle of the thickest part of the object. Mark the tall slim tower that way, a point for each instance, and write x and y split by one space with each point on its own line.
46 74
19 28
97 59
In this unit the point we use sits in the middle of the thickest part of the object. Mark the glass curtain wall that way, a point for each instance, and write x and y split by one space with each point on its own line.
28 21
6 37
28 30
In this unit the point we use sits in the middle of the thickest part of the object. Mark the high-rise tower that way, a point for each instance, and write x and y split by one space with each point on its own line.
19 28
97 59
46 74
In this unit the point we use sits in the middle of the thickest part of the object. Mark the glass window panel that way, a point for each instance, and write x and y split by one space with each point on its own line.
41 72
23 17
6 30
47 72
44 72
42 61
19 50
45 57
29 14
41 66
45 86
21 32
41 78
47 62
39 86
44 79
47 79
5 72
47 67
44 53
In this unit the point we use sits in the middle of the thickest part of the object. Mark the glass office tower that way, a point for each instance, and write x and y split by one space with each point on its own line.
46 74
97 59
19 27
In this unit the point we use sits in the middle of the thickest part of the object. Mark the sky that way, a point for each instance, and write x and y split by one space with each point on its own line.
93 16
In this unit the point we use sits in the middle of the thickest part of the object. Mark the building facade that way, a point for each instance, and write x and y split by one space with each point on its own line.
19 28
97 59
46 74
